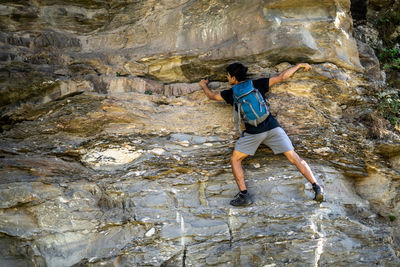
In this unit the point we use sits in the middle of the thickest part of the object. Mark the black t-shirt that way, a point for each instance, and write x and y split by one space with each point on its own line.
270 123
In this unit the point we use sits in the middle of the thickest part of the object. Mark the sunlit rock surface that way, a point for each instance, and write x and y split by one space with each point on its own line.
167 41
110 154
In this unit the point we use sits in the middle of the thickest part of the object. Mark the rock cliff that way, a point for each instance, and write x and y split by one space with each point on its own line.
111 155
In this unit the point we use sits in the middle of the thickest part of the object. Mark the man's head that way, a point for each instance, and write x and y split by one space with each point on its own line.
236 73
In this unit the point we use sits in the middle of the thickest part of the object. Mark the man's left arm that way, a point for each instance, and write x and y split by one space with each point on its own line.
288 73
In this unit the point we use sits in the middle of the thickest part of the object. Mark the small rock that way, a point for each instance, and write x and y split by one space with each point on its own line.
256 165
323 151
184 143
157 151
111 157
150 232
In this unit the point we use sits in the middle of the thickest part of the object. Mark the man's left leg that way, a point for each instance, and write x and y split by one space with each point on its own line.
303 167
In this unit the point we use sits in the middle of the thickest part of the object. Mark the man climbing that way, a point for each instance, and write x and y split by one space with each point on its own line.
267 131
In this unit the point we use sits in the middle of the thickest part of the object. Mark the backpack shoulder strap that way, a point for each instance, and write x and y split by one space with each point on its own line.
237 116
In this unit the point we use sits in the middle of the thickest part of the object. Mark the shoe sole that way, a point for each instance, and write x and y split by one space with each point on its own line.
242 205
319 198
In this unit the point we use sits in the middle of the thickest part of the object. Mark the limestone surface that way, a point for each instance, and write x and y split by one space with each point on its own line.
111 155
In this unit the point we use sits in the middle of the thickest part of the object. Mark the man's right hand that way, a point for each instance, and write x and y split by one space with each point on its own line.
203 83
207 91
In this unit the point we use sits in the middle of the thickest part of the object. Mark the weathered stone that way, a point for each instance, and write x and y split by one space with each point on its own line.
368 188
180 89
395 162
369 61
111 154
175 47
366 33
180 218
138 69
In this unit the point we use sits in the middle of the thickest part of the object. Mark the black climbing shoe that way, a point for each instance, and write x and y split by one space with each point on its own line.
319 192
242 200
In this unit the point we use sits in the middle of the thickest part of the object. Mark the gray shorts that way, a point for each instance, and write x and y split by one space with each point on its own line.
276 139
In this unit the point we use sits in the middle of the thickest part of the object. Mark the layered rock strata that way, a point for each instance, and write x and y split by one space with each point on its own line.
111 155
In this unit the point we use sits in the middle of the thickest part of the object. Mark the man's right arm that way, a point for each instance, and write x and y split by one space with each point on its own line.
209 93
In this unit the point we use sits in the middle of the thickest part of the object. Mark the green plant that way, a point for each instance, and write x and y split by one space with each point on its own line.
385 19
392 218
390 56
148 92
390 52
389 106
394 65
387 23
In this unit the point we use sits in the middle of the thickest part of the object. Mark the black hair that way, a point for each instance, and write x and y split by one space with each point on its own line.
237 70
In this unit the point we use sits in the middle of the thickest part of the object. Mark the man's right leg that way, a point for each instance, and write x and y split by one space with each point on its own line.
245 146
237 169
243 198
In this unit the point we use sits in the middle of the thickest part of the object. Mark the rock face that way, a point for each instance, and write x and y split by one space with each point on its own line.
104 180
111 155
167 41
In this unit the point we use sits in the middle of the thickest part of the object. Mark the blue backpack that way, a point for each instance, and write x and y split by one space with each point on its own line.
250 104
